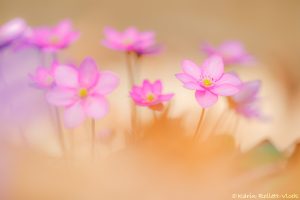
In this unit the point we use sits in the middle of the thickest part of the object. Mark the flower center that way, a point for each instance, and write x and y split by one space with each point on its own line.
207 82
83 93
150 97
54 39
127 41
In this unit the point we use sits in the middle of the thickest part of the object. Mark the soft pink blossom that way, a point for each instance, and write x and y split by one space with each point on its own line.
81 91
150 95
43 77
131 40
54 38
246 101
11 31
232 52
209 80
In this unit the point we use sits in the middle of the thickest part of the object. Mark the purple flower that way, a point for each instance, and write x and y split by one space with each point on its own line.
131 40
209 80
245 102
12 31
232 52
54 38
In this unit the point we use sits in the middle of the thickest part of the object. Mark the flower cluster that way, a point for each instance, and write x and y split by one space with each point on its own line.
81 90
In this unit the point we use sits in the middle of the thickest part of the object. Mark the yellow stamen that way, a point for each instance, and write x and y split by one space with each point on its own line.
207 82
83 92
150 97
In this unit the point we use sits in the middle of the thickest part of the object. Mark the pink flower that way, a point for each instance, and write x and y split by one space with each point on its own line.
54 38
246 101
81 91
209 81
11 31
44 77
131 40
232 52
150 95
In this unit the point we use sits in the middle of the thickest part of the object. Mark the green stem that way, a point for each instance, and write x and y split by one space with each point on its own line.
60 132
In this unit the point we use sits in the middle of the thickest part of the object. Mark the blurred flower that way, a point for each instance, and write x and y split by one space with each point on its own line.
43 77
245 102
209 81
11 31
54 38
131 40
81 91
232 52
150 95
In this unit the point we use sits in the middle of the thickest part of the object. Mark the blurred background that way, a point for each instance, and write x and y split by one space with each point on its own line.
269 29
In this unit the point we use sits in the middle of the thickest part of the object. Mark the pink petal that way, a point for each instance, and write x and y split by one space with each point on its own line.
192 86
191 69
248 91
147 87
131 33
157 87
229 78
88 73
165 97
74 115
213 67
66 76
225 90
96 107
107 82
206 98
61 96
185 78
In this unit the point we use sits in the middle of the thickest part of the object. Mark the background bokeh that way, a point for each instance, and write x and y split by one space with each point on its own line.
269 29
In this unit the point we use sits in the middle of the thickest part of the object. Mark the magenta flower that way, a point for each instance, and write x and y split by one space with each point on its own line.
150 95
12 30
245 102
43 77
209 81
232 52
81 91
131 40
54 38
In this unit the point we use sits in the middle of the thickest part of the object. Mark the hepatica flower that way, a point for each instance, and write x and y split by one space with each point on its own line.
11 31
131 40
150 95
245 102
232 52
209 81
81 91
43 77
54 38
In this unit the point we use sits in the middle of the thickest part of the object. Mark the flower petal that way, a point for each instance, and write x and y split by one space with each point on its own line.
88 73
157 87
191 69
96 107
165 97
61 96
225 90
185 78
74 115
192 86
229 78
213 67
147 87
66 76
248 91
107 82
206 98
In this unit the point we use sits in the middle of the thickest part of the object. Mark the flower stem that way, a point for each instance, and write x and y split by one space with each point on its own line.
93 141
60 132
196 134
220 120
132 105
